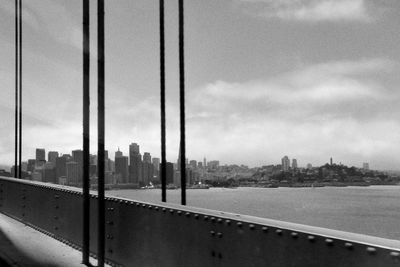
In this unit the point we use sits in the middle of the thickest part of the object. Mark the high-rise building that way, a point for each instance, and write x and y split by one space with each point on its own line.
147 157
121 169
31 165
309 166
73 173
135 164
285 163
40 154
170 173
77 157
366 166
118 153
156 163
294 163
193 164
40 157
49 173
199 164
51 156
204 162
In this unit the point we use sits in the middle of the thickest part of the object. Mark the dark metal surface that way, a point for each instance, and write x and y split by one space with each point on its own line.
182 101
162 105
86 130
20 90
144 234
16 90
100 132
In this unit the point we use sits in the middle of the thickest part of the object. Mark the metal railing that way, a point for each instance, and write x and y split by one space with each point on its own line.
146 234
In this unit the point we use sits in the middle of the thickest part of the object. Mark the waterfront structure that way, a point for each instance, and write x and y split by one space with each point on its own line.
285 163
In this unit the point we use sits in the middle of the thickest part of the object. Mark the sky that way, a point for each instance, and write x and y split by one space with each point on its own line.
311 79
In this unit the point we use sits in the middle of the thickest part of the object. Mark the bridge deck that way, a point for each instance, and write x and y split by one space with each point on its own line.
21 245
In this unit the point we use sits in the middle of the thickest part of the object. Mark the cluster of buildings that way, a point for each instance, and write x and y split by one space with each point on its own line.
134 169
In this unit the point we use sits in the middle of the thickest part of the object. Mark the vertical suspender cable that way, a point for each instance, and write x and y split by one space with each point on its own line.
182 102
86 129
20 90
162 101
100 130
16 91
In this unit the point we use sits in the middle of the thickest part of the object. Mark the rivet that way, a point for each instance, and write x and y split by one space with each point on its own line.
110 237
143 205
329 241
156 208
264 229
171 211
206 218
137 204
187 214
228 222
371 250
278 231
294 235
150 207
56 196
110 209
196 216
311 238
348 245
164 209
179 212
219 235
395 254
110 222
212 219
212 233
219 220
239 224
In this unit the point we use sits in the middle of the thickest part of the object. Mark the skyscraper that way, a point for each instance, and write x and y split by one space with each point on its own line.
40 156
77 156
294 163
285 163
156 163
61 167
51 157
118 153
73 173
135 164
121 169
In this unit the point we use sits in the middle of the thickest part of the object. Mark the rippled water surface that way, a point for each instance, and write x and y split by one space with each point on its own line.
373 210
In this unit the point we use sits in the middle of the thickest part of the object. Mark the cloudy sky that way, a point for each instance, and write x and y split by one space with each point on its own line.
311 79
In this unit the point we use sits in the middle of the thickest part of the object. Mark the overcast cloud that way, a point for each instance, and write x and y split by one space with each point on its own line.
310 79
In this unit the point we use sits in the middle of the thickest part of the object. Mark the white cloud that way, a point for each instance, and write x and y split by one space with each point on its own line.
309 10
332 109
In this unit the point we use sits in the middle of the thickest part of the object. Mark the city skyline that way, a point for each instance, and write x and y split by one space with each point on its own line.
313 79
